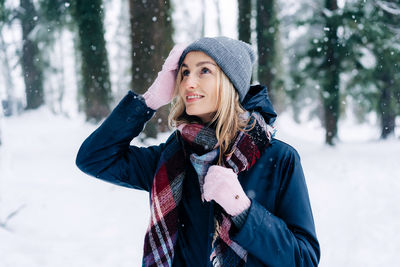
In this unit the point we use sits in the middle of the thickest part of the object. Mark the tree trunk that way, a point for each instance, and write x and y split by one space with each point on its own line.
151 38
388 116
219 26
10 108
61 71
267 27
387 106
244 27
330 90
31 62
203 18
95 68
121 38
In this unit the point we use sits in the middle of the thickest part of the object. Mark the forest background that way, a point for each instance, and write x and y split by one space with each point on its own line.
328 58
332 69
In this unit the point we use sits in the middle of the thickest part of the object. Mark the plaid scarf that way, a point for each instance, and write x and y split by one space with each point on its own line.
166 191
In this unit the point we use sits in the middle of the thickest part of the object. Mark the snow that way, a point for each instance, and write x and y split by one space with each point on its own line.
391 8
67 218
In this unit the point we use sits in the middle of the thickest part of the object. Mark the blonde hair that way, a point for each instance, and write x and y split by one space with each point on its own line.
228 118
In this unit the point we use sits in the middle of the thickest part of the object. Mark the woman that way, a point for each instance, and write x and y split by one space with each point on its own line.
223 191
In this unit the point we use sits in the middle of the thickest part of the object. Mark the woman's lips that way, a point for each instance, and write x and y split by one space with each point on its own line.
193 98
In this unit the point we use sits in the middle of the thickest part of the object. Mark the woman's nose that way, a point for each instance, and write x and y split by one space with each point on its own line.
191 82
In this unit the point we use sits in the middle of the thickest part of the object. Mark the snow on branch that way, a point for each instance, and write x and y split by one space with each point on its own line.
3 224
328 13
391 8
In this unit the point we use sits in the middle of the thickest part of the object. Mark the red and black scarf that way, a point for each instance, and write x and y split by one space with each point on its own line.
166 192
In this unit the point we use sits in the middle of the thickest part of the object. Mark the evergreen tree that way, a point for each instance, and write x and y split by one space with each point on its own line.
9 105
244 18
96 86
377 27
299 88
324 62
360 31
267 29
3 18
31 60
151 38
54 20
331 68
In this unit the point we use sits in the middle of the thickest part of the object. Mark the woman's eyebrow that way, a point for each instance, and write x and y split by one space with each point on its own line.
205 62
200 63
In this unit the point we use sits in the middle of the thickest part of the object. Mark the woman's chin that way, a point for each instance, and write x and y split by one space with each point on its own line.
192 112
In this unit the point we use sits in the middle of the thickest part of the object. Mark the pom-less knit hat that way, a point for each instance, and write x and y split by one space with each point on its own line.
235 58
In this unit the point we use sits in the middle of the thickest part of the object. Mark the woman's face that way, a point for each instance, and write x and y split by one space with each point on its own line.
198 87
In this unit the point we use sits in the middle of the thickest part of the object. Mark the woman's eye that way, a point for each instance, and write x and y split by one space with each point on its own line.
185 72
205 70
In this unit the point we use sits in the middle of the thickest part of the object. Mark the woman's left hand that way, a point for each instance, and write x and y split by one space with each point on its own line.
222 185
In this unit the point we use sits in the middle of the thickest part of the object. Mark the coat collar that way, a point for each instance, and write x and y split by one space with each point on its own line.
257 100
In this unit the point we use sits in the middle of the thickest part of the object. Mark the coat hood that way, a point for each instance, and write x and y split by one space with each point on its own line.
257 100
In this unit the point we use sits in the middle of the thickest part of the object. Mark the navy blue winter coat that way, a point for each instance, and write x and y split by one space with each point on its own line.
279 229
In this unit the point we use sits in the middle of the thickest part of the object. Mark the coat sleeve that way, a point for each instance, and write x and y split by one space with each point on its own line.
286 238
107 154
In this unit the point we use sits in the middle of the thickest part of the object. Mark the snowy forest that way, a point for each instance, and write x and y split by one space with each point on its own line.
332 68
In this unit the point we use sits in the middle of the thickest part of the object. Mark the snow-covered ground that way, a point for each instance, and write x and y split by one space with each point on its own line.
66 218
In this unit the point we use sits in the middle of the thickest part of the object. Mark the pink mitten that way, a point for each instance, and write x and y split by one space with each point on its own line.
222 185
161 91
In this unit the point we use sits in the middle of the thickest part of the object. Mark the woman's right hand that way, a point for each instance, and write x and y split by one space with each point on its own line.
161 91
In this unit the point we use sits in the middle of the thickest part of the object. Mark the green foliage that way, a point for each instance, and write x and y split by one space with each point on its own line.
3 11
55 11
377 34
6 15
54 15
351 51
325 63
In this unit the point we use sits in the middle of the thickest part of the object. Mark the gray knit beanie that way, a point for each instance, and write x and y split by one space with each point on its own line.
235 58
